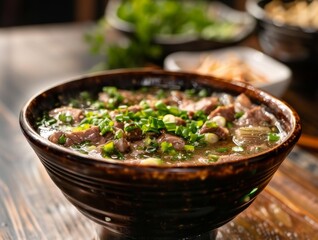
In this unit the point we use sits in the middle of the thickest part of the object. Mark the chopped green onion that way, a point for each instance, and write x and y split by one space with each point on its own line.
144 104
109 148
151 161
193 126
130 127
238 114
161 106
166 147
143 121
65 118
46 120
82 127
149 112
199 123
193 137
174 110
169 118
200 115
152 125
211 124
122 106
105 129
211 157
273 137
159 124
170 126
119 134
147 141
222 149
105 125
119 117
184 114
126 118
189 148
51 121
185 132
178 130
62 139
170 122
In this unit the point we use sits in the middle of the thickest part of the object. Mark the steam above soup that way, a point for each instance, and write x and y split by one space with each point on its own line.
156 126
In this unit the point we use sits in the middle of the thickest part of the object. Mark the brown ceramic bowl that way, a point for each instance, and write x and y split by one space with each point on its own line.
288 43
157 202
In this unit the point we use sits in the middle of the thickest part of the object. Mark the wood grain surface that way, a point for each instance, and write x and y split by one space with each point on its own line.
32 207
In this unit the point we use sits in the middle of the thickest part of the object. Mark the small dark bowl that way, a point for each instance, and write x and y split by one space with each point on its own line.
290 44
186 42
157 202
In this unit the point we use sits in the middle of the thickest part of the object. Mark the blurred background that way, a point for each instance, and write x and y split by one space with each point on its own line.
28 12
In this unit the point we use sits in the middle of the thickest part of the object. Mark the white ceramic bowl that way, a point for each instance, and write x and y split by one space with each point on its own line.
277 74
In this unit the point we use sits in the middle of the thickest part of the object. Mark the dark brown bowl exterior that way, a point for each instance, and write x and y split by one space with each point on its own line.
156 202
286 43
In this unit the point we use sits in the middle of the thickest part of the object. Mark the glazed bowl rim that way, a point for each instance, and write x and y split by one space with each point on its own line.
32 136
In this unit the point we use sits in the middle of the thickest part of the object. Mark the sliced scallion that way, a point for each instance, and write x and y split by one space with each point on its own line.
65 118
273 137
62 139
189 148
170 126
161 106
222 149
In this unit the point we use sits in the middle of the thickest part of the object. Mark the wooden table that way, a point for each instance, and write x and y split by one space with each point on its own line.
32 207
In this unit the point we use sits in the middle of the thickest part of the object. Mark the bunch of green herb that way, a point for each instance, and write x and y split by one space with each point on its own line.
170 17
134 53
152 18
119 55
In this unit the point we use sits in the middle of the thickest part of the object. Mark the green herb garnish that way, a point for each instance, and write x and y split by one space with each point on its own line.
62 139
222 149
65 118
273 137
167 147
238 114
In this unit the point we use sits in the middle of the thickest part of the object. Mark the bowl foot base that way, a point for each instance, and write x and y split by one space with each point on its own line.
105 234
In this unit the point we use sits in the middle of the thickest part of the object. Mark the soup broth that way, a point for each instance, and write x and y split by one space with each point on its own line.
162 127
